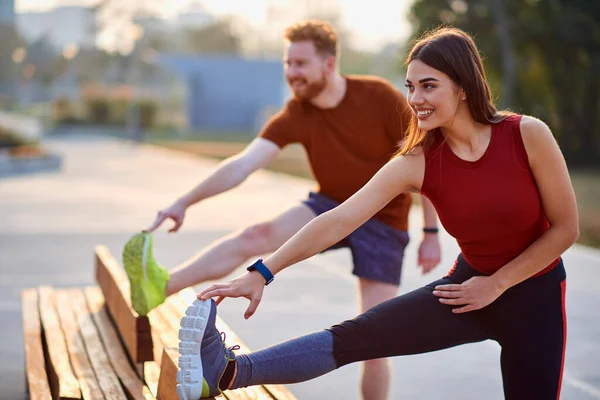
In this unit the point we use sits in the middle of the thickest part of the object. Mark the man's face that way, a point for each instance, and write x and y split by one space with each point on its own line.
305 69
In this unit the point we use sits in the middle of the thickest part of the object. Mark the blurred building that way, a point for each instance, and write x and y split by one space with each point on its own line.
60 26
227 93
7 11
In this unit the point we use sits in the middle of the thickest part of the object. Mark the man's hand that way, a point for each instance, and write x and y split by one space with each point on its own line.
472 294
176 212
430 253
250 285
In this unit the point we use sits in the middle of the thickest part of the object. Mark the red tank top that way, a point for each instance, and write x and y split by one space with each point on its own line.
491 206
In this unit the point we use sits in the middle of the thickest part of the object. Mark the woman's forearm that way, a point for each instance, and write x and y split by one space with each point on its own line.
318 235
329 228
547 248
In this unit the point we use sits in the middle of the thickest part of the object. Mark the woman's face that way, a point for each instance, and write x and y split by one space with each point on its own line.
432 95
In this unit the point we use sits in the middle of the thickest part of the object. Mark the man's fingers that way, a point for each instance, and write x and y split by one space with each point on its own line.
428 265
254 302
160 218
178 223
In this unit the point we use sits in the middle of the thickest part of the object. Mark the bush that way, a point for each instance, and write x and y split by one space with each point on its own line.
62 112
118 112
98 111
147 112
107 111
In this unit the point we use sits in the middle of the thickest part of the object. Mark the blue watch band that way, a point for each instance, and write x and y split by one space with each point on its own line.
263 270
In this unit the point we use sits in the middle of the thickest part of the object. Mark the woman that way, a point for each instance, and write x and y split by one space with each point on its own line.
500 186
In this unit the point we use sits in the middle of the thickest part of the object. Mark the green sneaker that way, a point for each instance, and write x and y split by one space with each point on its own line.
147 279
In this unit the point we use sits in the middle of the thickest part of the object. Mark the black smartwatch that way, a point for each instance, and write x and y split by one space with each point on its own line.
263 270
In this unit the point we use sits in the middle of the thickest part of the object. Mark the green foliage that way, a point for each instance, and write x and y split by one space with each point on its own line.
555 45
148 110
101 110
97 111
10 71
217 37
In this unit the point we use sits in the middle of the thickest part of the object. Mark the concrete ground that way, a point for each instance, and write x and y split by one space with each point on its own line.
108 190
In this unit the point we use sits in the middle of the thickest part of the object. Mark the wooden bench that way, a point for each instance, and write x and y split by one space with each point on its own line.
89 343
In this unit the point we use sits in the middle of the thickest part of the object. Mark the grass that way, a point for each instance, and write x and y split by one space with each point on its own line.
292 160
587 189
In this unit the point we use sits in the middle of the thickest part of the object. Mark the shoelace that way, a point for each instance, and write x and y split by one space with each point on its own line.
231 348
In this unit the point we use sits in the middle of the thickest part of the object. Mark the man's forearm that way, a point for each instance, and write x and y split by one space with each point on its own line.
430 218
228 175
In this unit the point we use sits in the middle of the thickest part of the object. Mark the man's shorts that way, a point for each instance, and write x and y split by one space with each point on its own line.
377 248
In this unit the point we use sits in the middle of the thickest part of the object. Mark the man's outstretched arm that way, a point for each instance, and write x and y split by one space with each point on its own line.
229 174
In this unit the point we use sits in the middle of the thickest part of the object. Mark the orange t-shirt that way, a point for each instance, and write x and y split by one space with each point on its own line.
346 145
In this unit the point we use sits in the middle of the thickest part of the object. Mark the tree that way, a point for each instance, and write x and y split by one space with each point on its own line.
10 60
217 37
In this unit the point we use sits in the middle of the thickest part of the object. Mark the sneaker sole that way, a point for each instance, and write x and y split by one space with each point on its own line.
135 265
193 325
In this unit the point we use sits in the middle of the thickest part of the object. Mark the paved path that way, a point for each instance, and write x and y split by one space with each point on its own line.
50 223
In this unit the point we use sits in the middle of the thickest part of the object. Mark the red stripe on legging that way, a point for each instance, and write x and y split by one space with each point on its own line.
453 268
563 289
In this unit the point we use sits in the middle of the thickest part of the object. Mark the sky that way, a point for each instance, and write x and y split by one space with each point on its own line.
383 21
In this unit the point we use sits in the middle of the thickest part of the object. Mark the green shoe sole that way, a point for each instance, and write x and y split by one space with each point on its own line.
147 280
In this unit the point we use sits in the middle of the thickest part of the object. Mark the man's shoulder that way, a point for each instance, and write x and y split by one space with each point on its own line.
292 108
375 87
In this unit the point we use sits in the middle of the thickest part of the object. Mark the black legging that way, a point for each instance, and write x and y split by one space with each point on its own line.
528 321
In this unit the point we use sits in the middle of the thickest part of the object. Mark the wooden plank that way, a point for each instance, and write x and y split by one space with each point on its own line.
37 380
151 375
132 383
163 335
168 375
90 389
107 379
133 329
63 383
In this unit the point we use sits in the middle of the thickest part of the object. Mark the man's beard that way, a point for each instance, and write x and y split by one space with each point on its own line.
310 89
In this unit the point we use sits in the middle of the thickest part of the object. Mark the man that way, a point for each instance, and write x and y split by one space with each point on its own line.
350 127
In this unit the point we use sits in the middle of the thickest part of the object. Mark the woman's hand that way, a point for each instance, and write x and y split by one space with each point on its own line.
249 285
472 294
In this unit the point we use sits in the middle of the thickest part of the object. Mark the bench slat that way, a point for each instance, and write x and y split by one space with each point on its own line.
164 336
133 385
37 380
90 389
106 376
151 376
134 329
151 369
63 382
168 375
